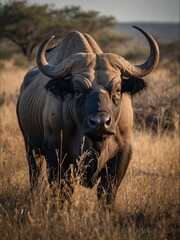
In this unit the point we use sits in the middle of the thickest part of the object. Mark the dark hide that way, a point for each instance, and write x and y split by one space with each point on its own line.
60 87
133 85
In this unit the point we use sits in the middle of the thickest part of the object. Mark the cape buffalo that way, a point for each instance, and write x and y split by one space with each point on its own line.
77 101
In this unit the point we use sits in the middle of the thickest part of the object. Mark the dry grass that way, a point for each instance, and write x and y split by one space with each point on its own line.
147 203
159 110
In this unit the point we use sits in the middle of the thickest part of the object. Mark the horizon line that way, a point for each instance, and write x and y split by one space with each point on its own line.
148 21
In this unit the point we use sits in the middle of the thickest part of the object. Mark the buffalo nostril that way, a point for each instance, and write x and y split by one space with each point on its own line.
99 121
92 121
107 121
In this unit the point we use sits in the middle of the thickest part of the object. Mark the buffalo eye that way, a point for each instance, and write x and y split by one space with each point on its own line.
116 95
118 92
77 92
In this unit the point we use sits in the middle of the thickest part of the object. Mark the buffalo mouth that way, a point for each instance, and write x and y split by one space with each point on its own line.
98 141
98 137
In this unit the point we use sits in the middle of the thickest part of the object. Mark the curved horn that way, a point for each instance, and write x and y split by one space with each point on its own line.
62 69
129 69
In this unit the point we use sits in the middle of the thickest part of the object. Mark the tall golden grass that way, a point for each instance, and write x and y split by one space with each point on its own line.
147 202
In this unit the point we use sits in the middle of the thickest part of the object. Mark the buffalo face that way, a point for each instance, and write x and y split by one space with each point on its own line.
99 106
99 116
97 103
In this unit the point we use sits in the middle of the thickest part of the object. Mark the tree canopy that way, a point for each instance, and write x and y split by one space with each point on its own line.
27 24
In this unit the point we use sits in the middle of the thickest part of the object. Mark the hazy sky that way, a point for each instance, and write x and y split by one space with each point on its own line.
125 10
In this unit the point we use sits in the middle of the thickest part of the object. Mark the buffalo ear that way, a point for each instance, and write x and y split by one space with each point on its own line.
133 85
60 87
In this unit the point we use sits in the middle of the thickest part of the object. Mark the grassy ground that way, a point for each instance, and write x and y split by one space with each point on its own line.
147 203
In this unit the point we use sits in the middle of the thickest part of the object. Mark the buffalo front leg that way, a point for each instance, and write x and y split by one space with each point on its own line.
112 175
35 164
59 172
52 161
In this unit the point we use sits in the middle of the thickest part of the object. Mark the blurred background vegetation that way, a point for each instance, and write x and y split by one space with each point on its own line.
24 25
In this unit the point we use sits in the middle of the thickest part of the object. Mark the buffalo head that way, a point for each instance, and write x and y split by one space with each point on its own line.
97 81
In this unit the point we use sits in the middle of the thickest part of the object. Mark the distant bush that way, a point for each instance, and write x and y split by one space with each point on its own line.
1 65
5 54
136 53
110 41
27 24
170 50
20 60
